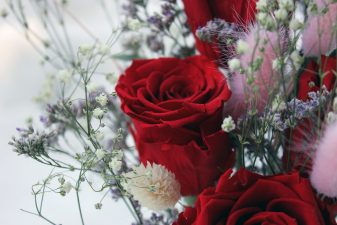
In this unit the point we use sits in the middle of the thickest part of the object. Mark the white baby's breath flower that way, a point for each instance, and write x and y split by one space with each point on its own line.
277 64
234 64
117 154
281 14
64 75
334 105
134 24
91 87
98 113
103 49
100 153
269 23
85 49
66 187
99 135
261 16
287 5
102 99
295 24
115 165
242 47
278 104
261 5
153 186
297 59
331 118
228 124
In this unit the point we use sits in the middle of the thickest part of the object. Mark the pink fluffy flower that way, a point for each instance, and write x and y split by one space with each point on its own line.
319 36
235 106
242 97
324 176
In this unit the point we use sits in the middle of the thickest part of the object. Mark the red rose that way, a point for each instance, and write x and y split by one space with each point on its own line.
302 139
199 12
248 199
176 108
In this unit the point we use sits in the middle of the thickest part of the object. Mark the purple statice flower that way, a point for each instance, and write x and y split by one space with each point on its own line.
156 21
155 42
45 121
219 30
162 219
115 193
168 12
32 143
130 9
297 109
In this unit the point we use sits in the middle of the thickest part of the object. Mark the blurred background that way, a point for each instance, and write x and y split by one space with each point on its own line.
21 78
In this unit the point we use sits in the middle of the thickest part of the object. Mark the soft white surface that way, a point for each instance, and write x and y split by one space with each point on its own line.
20 79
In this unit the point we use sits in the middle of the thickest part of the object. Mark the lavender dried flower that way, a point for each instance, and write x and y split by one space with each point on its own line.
219 30
297 109
155 42
31 142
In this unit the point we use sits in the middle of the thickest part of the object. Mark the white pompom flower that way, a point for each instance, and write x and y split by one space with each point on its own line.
153 186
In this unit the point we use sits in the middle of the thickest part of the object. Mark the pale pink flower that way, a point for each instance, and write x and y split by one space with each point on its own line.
324 176
319 36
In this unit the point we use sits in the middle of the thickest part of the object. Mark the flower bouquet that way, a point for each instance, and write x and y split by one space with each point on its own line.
208 113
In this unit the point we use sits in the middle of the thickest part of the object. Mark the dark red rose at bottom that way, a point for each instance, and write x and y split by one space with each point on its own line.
247 198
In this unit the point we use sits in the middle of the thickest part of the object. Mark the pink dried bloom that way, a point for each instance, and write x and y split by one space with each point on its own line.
324 176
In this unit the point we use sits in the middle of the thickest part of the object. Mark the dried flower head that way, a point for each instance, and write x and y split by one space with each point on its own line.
323 177
153 186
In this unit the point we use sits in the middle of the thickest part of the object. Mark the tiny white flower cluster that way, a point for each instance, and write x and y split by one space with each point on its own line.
228 124
332 116
65 187
242 47
134 24
100 153
271 15
297 59
98 113
102 99
116 161
87 50
234 64
153 186
278 63
115 157
278 104
295 24
64 76
91 87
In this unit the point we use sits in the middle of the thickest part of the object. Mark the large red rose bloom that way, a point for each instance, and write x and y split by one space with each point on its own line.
247 198
176 109
199 12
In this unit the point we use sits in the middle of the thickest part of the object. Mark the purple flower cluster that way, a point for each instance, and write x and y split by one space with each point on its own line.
220 30
297 109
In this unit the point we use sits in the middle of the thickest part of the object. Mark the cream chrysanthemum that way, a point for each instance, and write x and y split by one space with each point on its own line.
153 186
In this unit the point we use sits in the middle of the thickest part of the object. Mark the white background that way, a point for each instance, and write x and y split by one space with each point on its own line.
21 77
